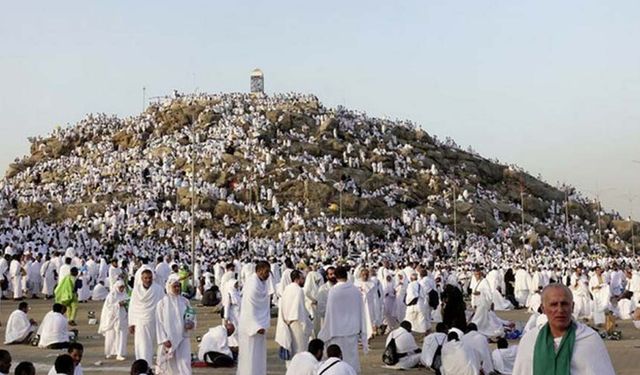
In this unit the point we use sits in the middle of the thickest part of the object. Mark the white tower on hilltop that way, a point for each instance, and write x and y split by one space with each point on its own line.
257 81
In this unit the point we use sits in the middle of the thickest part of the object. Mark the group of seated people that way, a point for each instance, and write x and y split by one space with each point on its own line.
451 351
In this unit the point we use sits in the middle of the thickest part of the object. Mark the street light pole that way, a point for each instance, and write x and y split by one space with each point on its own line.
193 202
524 251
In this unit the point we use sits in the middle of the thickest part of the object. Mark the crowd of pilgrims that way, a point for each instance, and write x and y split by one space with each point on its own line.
395 273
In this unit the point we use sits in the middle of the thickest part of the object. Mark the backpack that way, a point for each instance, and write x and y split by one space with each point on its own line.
390 355
434 299
436 362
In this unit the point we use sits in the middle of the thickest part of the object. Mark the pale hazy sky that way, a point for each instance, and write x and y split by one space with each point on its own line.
553 86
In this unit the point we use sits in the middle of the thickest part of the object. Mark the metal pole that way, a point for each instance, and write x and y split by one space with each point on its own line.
250 221
524 252
193 203
455 222
599 224
566 213
633 242
144 98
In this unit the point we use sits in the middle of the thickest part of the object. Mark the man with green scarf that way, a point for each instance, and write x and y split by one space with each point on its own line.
66 294
561 346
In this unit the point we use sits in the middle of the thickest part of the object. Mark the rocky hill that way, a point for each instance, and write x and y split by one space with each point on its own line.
269 165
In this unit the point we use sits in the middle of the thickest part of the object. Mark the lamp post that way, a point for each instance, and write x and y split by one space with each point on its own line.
193 202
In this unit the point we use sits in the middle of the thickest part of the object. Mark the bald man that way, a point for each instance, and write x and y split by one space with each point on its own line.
561 346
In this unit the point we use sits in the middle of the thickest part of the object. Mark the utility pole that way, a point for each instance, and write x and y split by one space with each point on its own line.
193 202
524 251
455 221
144 98
566 220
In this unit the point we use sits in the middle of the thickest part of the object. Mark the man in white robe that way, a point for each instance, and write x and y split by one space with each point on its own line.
47 272
634 286
142 314
16 272
504 357
589 354
214 347
480 346
19 326
368 291
293 328
521 287
54 330
457 357
255 319
431 344
175 319
579 286
312 283
601 293
99 292
323 295
334 365
306 363
407 349
415 302
344 321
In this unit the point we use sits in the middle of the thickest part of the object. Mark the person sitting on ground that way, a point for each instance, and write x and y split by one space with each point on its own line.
430 346
407 350
100 292
54 330
334 365
305 363
19 326
75 351
5 362
561 346
214 346
473 339
63 365
25 368
140 367
504 357
457 357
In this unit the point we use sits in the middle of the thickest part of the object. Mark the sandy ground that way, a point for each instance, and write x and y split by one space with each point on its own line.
623 353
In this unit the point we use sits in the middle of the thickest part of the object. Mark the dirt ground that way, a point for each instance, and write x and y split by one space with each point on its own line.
623 353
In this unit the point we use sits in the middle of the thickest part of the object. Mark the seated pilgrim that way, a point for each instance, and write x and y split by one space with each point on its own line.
214 346
19 326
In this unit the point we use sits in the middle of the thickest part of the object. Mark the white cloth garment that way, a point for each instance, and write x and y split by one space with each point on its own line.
589 356
18 327
429 347
255 315
335 366
406 347
142 315
293 317
170 327
113 322
215 340
303 363
459 359
344 322
480 346
504 359
54 329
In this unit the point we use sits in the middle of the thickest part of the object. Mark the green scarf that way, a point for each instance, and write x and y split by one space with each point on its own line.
546 361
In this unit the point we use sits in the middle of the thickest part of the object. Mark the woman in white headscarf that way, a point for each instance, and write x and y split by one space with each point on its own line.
114 323
174 320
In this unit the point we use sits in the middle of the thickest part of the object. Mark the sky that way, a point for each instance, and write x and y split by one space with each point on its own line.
552 86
